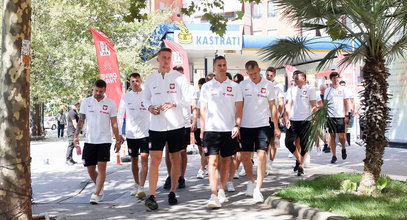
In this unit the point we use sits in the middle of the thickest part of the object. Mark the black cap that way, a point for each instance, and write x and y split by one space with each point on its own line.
75 103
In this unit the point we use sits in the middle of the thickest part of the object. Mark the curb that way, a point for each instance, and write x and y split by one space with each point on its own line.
299 210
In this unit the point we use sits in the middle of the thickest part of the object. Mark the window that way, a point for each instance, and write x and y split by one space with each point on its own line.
271 9
257 10
271 32
162 6
257 33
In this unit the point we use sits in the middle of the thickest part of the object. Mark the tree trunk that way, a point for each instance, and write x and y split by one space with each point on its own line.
15 173
375 120
38 122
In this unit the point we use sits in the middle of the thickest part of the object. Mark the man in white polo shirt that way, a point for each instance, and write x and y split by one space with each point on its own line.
278 88
137 122
100 114
221 113
338 98
255 132
301 103
165 93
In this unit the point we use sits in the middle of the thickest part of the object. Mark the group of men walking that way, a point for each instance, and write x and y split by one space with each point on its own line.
227 118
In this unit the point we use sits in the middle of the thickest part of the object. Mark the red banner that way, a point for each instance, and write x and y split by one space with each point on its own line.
108 65
179 57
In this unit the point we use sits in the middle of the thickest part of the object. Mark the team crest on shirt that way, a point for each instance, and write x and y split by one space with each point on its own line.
104 107
229 89
172 85
263 90
304 92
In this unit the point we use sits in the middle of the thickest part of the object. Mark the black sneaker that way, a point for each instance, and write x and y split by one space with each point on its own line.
151 203
334 159
328 150
300 171
167 184
172 200
74 162
181 182
297 164
344 155
325 148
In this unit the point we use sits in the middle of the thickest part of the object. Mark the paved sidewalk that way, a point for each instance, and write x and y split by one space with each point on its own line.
64 191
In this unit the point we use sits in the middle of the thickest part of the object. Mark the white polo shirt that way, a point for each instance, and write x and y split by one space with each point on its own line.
221 99
173 87
256 97
98 114
186 110
301 97
137 115
335 98
278 88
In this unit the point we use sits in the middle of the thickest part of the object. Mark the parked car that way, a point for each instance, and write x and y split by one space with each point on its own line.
50 123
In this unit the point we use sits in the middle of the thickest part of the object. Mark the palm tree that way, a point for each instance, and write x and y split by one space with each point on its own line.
376 31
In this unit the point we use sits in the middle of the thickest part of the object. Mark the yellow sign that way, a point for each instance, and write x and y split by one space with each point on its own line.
184 36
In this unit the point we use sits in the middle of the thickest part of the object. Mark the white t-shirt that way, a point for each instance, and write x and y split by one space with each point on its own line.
137 115
173 87
256 97
335 98
301 97
279 89
186 110
221 100
98 114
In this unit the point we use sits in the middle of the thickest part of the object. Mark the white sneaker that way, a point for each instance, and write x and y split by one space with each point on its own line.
213 202
290 155
242 172
201 174
236 176
230 187
319 151
250 188
222 196
102 195
94 199
268 169
133 193
141 193
257 196
307 161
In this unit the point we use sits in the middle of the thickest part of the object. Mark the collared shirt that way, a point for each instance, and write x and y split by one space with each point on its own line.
336 100
301 109
174 88
278 88
221 99
137 115
256 97
98 114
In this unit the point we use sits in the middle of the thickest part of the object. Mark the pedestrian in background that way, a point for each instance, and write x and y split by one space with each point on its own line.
73 119
61 119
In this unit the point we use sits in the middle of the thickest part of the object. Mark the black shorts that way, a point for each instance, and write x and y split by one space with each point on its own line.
174 138
297 130
137 146
338 126
271 126
94 153
254 139
197 136
187 137
215 142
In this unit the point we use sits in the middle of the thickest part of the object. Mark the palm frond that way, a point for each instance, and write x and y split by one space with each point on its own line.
319 123
287 51
330 56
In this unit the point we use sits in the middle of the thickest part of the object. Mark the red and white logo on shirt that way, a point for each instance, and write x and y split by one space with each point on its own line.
172 85
142 105
304 92
229 89
263 90
104 107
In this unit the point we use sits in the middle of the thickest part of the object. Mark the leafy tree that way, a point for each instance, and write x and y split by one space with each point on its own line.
377 34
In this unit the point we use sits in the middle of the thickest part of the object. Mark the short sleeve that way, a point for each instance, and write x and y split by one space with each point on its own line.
272 92
204 94
113 110
312 94
239 95
83 107
288 94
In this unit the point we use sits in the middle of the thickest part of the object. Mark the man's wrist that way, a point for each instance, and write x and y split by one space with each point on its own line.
237 126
